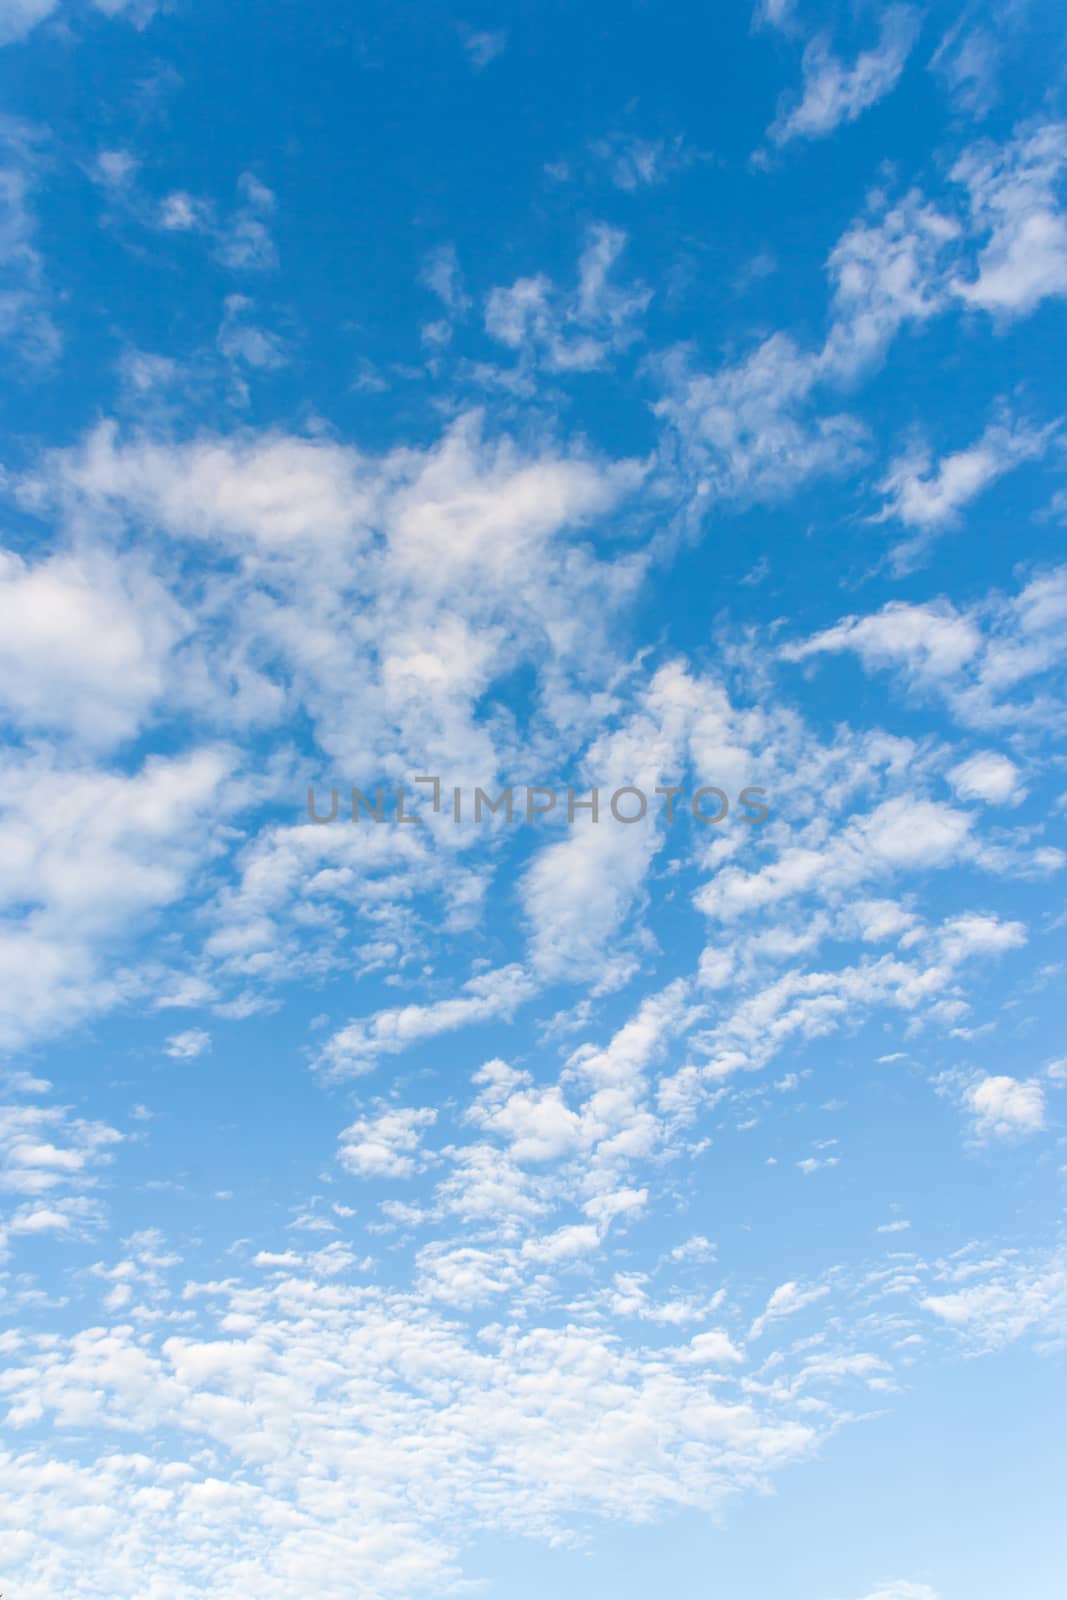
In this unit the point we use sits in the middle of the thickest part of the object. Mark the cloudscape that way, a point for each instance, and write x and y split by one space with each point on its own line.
533 628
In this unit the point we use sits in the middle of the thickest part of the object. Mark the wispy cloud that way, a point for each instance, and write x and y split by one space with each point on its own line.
836 91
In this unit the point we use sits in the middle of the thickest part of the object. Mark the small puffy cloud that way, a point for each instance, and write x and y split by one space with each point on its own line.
186 1046
696 1248
774 14
713 1349
180 212
1005 1107
812 1164
244 242
114 169
483 45
241 340
988 776
240 240
875 920
973 933
577 1239
84 643
385 1146
442 275
537 1122
49 1160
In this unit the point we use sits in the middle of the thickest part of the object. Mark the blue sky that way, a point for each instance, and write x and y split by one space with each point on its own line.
568 398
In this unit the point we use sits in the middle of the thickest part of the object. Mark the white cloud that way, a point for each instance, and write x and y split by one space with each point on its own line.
239 239
385 1145
114 169
575 331
241 340
581 894
186 1046
902 1590
977 660
484 45
183 213
889 268
875 920
355 1048
834 91
442 274
528 1348
636 163
566 1244
967 60
1003 1107
715 1349
812 1164
754 430
85 855
902 833
748 428
350 601
26 322
19 17
511 581
973 933
1015 201
139 12
244 242
930 641
988 776
536 1122
771 1015
519 1425
51 1160
786 1301
930 496
84 644
597 1115
994 1301
925 498
774 14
